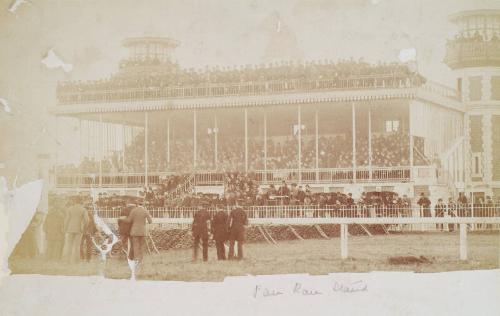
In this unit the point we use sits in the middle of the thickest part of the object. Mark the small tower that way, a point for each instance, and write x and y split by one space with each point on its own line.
148 54
474 56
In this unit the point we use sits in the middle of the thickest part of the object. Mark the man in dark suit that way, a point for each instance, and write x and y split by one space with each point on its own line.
74 224
138 232
219 232
199 229
424 204
284 193
86 245
124 231
237 221
440 211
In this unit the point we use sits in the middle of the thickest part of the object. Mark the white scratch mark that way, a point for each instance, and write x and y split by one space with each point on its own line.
407 54
53 61
16 4
278 26
107 244
5 105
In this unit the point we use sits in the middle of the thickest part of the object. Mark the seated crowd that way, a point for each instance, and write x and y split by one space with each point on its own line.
171 75
334 151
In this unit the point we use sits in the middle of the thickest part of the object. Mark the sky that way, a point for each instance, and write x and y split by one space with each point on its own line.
87 34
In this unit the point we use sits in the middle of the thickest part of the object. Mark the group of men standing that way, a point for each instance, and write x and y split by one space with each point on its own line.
223 227
70 228
69 232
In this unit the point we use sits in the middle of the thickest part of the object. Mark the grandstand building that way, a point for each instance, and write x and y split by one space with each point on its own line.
344 126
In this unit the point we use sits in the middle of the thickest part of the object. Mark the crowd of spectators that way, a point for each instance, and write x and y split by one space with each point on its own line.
476 38
171 75
241 189
334 151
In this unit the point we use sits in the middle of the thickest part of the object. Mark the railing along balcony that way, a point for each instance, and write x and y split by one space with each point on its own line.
328 211
472 53
337 175
112 94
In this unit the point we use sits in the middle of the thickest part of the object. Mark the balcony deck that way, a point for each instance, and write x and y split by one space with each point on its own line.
461 54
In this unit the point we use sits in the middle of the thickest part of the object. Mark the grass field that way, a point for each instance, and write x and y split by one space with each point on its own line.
308 256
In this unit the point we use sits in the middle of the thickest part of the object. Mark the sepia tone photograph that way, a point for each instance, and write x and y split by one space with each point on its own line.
214 141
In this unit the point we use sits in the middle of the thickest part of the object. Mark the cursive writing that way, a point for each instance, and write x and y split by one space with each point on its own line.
357 286
299 289
259 291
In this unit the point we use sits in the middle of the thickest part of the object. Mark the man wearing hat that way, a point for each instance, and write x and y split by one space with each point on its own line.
138 231
237 221
199 229
424 204
75 220
219 232
124 231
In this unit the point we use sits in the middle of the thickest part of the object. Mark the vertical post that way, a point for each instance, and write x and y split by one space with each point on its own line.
463 241
194 138
168 139
370 171
107 142
265 146
57 148
246 140
316 127
343 241
146 122
216 132
88 139
124 144
100 149
472 203
111 137
80 140
299 137
411 155
353 143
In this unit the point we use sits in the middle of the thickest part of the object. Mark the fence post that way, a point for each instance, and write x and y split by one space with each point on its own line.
343 241
463 241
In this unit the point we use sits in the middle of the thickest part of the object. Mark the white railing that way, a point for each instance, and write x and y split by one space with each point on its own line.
443 90
234 89
330 211
472 53
337 175
183 188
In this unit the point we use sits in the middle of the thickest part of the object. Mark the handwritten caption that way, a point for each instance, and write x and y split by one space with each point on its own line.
298 288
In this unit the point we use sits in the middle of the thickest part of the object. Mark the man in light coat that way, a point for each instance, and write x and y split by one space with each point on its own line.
75 221
138 232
